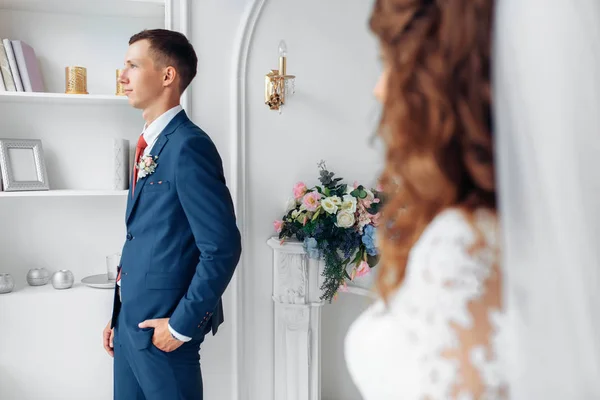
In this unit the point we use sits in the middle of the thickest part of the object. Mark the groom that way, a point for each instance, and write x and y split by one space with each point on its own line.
182 242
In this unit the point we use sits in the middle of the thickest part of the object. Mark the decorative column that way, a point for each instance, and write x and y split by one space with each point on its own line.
296 291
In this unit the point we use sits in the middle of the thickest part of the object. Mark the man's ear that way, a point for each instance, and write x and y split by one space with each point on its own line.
169 76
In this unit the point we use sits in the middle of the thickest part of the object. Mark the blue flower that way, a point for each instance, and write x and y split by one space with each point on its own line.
310 246
369 240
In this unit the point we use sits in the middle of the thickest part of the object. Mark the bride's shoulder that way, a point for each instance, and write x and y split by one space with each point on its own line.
460 228
455 246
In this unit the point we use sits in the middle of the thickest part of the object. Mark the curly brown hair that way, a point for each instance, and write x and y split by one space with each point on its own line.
436 121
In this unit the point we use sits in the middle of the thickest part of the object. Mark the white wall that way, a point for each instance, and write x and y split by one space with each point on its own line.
214 26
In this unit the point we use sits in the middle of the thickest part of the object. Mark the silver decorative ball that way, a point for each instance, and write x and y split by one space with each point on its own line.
63 279
38 276
7 283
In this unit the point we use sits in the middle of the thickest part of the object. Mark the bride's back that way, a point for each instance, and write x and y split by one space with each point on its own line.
439 267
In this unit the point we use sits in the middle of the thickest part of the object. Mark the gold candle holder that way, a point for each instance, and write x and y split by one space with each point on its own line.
120 91
75 80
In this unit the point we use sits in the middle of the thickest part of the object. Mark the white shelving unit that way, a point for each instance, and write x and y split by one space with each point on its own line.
80 220
61 98
65 193
129 8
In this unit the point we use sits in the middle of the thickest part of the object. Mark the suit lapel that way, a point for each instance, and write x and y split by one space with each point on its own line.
129 197
160 143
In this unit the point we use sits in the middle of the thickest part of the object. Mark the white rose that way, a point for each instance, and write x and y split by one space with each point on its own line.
349 203
295 214
345 219
290 205
329 206
336 200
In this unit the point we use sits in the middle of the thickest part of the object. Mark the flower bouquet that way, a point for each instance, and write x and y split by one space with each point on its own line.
337 222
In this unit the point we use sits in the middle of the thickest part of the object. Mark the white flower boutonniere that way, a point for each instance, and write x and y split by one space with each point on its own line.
146 166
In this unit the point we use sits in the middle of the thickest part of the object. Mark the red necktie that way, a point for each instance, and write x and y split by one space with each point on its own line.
139 150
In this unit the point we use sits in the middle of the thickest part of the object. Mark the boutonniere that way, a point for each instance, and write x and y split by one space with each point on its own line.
146 166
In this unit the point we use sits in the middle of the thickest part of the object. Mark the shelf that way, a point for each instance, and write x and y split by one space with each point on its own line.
61 98
64 193
23 291
130 8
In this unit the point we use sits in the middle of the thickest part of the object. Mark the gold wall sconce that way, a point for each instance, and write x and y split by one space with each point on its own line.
278 85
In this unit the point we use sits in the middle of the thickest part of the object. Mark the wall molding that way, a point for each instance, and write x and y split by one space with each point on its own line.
243 292
238 184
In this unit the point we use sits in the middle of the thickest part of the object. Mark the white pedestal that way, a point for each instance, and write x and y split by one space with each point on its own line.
296 292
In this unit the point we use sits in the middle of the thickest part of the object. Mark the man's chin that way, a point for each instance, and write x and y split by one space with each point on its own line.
133 102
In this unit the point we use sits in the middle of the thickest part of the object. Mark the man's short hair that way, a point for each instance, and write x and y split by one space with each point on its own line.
170 48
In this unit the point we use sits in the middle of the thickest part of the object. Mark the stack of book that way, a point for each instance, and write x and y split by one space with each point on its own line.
19 69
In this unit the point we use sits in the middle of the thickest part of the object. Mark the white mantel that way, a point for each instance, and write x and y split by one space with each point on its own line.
297 314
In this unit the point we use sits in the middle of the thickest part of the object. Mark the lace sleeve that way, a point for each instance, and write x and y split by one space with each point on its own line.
457 272
436 337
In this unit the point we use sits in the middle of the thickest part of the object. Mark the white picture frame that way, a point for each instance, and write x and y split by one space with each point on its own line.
23 165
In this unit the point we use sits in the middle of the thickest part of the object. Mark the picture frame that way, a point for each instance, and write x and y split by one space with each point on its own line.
23 165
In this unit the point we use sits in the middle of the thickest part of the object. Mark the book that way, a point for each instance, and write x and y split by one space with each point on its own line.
27 64
12 61
9 82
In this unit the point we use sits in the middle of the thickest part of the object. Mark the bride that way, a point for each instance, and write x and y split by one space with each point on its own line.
433 334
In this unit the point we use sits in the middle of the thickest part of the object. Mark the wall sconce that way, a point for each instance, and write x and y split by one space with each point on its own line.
279 86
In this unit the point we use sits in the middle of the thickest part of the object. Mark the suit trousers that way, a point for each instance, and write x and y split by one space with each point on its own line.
152 374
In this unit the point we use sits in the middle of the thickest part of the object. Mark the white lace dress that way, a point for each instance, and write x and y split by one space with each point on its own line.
438 337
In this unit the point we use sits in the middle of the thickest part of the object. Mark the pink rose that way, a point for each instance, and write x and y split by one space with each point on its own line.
363 269
312 200
278 225
299 190
148 161
364 218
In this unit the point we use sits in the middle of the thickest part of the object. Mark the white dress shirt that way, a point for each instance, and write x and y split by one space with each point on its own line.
151 133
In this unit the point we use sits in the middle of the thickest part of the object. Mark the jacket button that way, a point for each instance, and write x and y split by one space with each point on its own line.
129 236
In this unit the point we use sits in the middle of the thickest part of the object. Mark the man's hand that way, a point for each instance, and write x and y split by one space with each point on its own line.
107 339
162 335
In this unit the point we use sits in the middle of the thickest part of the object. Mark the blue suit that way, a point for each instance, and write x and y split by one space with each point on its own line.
181 251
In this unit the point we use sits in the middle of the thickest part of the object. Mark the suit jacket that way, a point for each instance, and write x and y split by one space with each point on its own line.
182 243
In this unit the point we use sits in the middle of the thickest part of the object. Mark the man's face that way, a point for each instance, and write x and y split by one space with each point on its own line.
141 78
